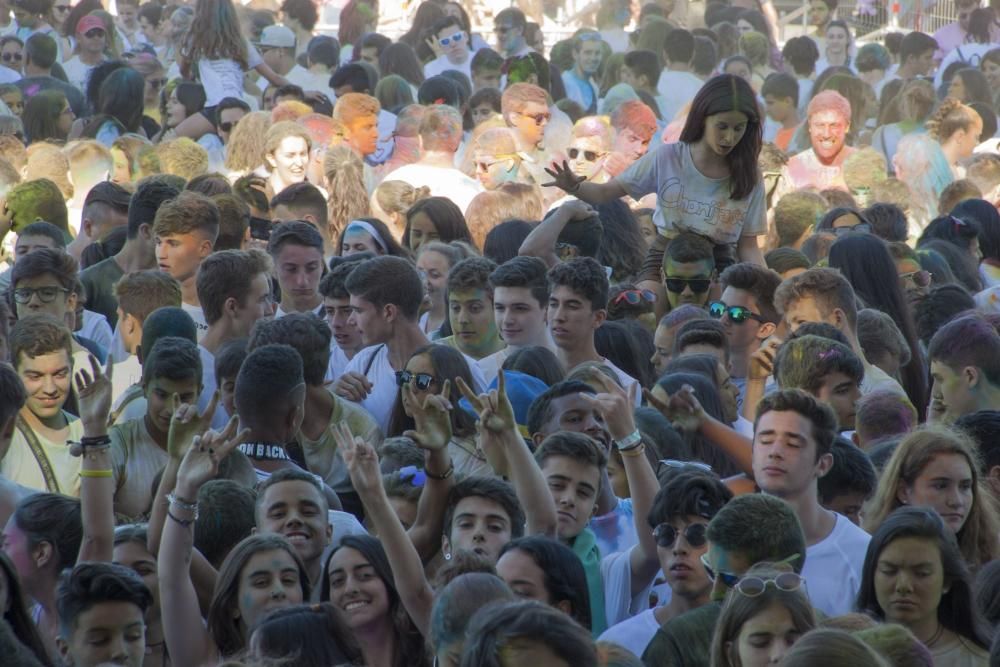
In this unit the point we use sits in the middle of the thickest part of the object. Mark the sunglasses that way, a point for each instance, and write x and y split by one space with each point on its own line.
457 37
16 57
157 83
94 33
636 296
918 278
754 586
62 8
737 314
666 535
676 465
589 156
502 29
861 227
22 295
697 285
539 118
227 126
421 380
730 580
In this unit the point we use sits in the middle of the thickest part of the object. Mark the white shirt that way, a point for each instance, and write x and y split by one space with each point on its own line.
619 605
224 77
833 568
198 315
8 75
96 328
442 181
208 387
676 89
384 147
308 80
126 373
77 72
633 633
441 64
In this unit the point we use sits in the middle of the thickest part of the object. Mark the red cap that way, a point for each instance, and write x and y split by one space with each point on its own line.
88 23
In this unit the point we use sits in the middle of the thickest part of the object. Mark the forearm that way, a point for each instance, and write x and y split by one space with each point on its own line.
643 487
158 515
752 393
97 499
407 568
599 193
749 251
737 447
425 534
541 242
529 485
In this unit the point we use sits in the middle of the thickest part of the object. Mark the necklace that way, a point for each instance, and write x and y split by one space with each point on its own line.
937 635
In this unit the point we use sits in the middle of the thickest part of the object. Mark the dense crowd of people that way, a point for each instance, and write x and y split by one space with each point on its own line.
668 343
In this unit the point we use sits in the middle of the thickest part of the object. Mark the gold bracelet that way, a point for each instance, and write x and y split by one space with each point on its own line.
638 450
96 473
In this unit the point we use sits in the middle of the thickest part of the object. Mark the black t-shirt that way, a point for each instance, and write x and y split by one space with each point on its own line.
99 281
33 85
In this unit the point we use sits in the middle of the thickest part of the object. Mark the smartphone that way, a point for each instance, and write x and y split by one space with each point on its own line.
260 228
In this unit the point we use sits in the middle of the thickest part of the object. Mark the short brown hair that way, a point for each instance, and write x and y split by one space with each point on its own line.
37 335
795 213
227 274
141 292
819 414
53 261
515 97
187 213
234 218
828 286
759 282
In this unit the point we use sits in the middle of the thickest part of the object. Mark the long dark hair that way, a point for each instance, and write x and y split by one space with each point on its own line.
959 261
41 116
448 363
446 216
986 216
121 101
722 93
708 396
622 344
957 610
410 649
310 635
17 616
622 245
400 59
565 579
865 261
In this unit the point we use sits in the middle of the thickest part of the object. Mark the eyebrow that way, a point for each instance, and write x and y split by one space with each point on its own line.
775 432
488 517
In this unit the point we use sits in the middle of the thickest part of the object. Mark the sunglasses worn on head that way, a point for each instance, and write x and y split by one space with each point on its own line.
636 296
737 314
666 535
754 586
457 37
22 295
675 464
728 579
697 285
918 278
421 380
589 156
16 57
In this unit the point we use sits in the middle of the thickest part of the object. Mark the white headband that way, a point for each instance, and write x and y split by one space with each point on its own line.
367 226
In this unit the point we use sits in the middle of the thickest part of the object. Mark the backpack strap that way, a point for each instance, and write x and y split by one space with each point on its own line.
51 483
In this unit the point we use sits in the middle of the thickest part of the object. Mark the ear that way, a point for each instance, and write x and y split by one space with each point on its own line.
230 306
88 228
63 647
205 248
855 438
599 317
766 330
390 312
42 554
536 439
824 464
839 318
971 376
445 545
71 300
269 158
903 494
565 606
146 231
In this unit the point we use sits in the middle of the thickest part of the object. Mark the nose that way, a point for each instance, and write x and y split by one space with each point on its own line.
117 649
778 650
955 499
277 590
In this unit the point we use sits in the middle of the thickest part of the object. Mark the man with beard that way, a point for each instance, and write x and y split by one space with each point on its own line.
579 80
821 167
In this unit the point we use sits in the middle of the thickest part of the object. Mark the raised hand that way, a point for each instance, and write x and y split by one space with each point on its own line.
201 461
432 417
186 424
93 393
564 177
361 460
762 361
496 414
681 408
615 404
353 386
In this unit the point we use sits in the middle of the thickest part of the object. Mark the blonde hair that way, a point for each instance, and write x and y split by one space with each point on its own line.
291 110
949 118
344 172
509 201
182 157
140 154
392 199
281 131
48 161
352 106
977 539
245 150
864 168
88 156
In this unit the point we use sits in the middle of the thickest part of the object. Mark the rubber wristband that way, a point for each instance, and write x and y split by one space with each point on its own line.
95 473
448 473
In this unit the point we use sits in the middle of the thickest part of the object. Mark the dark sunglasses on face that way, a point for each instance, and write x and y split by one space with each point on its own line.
861 227
754 586
738 314
421 380
16 57
22 295
227 126
62 8
457 37
918 278
502 29
589 156
539 118
728 579
697 285
636 296
666 535
94 33
157 83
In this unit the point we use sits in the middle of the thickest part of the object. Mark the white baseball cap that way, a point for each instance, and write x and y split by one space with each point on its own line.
277 36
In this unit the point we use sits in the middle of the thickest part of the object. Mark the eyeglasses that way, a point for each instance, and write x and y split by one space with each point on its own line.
22 295
94 33
457 37
666 535
861 227
422 380
754 586
729 579
157 83
589 156
697 285
502 29
635 296
539 118
918 278
62 8
676 465
16 57
737 314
